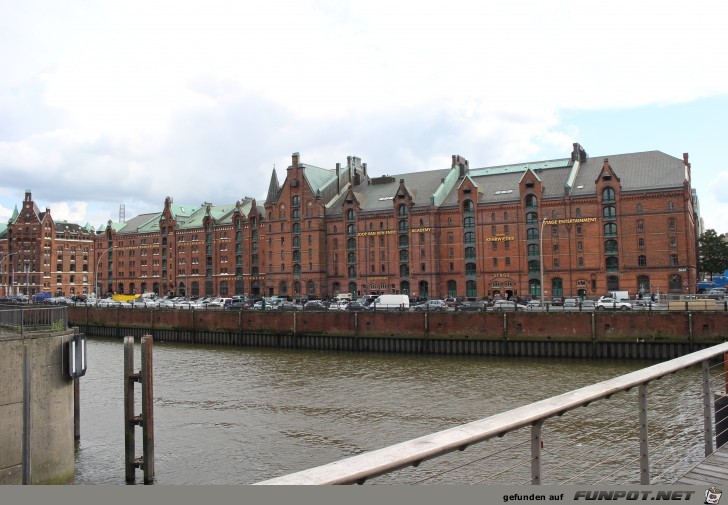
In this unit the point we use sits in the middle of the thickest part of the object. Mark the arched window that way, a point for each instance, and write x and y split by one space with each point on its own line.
532 234
642 260
296 256
534 250
639 208
403 241
470 252
403 225
469 222
609 212
350 215
311 288
351 244
610 230
532 218
404 270
557 287
402 210
404 255
611 247
670 206
295 201
470 268
608 195
351 229
534 266
612 264
352 272
468 206
471 289
351 258
643 284
531 201
404 287
534 287
469 237
424 289
671 224
452 288
295 214
296 228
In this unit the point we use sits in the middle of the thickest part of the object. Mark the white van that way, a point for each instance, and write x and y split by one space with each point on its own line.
391 302
341 297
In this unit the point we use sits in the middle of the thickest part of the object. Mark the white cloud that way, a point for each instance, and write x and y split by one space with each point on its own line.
73 212
130 101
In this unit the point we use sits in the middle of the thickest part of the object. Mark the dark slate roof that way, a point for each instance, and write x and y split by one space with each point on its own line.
645 171
373 196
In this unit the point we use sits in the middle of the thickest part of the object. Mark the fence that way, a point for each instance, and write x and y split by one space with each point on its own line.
20 320
617 440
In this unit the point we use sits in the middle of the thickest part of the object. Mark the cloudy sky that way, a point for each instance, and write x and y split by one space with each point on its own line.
106 102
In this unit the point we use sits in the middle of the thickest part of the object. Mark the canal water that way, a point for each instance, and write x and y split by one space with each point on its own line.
227 415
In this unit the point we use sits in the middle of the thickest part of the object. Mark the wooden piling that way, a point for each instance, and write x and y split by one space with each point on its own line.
148 408
129 419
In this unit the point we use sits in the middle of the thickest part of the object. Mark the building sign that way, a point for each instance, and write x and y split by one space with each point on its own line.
499 239
501 275
372 233
421 230
378 278
571 221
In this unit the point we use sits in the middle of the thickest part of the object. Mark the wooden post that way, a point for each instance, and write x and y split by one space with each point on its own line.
129 420
147 409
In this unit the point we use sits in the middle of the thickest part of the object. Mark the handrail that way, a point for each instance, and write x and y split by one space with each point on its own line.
357 469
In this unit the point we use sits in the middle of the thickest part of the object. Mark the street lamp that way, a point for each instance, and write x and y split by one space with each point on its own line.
96 272
543 222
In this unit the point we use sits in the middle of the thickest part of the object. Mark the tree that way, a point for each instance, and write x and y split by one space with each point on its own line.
712 253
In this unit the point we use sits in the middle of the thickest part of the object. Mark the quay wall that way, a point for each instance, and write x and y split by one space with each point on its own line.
643 335
51 427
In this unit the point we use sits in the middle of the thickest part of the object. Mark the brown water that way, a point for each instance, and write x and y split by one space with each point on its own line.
242 415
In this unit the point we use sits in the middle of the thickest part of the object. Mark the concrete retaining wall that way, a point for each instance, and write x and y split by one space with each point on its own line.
52 457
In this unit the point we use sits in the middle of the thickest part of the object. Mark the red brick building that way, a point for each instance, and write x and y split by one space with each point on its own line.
570 226
39 254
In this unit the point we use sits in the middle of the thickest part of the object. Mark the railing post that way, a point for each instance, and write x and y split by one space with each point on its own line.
536 446
644 442
707 420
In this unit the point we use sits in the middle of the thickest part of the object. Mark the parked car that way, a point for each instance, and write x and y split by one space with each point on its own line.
571 303
532 304
588 305
238 305
431 305
608 303
451 302
314 305
508 305
557 301
356 307
479 306
286 305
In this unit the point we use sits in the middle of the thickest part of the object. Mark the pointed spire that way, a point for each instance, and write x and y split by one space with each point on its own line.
273 188
14 217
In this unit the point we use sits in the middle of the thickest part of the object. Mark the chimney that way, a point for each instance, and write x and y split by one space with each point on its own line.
294 160
338 178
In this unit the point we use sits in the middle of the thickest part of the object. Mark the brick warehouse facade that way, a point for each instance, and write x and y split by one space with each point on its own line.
625 221
39 254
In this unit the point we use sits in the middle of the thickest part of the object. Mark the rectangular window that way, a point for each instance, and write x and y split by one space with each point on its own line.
495 262
673 260
641 243
508 261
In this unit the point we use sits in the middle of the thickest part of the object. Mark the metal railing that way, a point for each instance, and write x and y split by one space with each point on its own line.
25 319
610 442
